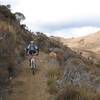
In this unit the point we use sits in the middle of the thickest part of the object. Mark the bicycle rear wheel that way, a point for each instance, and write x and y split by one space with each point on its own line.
33 67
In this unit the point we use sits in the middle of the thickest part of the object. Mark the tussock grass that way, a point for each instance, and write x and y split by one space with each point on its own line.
97 65
54 74
75 93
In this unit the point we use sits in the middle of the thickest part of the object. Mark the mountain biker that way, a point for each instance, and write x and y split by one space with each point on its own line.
32 49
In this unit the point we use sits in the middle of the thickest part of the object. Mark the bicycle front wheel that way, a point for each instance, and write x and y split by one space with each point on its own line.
33 67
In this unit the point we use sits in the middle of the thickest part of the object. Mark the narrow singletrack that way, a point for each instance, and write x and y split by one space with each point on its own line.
30 87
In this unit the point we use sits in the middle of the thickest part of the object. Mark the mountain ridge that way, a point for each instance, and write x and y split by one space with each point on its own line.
86 44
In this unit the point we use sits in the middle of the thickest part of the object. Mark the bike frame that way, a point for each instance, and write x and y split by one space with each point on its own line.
32 60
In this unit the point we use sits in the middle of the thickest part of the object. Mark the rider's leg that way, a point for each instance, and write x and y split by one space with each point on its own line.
30 56
33 61
30 60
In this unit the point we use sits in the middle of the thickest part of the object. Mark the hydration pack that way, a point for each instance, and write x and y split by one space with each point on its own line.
32 47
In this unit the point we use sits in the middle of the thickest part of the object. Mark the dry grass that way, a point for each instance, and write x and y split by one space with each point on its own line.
54 74
76 61
74 93
97 65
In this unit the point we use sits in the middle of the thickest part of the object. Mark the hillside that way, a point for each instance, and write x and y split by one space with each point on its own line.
89 45
90 42
29 87
14 37
63 74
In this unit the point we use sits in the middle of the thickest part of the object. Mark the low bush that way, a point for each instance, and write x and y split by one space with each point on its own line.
52 89
54 74
76 93
97 65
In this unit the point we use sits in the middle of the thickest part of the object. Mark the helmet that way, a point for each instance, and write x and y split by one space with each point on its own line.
31 42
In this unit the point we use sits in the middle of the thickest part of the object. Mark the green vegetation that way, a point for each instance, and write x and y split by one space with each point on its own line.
6 13
97 65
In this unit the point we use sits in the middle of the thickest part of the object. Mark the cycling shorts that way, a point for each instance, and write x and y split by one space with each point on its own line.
32 52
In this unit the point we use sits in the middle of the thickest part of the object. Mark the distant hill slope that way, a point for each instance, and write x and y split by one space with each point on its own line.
79 77
91 42
88 45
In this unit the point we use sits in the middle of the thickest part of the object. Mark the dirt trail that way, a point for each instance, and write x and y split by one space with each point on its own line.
29 87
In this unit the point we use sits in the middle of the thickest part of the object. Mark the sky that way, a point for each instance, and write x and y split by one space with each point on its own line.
65 18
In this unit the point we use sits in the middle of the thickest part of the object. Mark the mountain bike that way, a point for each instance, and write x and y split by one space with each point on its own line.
33 63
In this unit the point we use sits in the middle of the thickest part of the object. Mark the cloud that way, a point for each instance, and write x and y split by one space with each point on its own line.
13 3
74 32
61 16
82 22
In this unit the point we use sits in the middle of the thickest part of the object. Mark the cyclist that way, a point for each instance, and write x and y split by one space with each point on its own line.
32 49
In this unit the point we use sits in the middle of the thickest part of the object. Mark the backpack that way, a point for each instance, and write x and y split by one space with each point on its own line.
32 47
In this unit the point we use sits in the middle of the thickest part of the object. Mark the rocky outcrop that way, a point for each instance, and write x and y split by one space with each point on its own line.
76 72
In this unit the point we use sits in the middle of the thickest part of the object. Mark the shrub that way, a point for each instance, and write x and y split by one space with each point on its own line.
7 48
97 65
76 61
6 12
54 74
52 86
76 93
45 43
42 41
